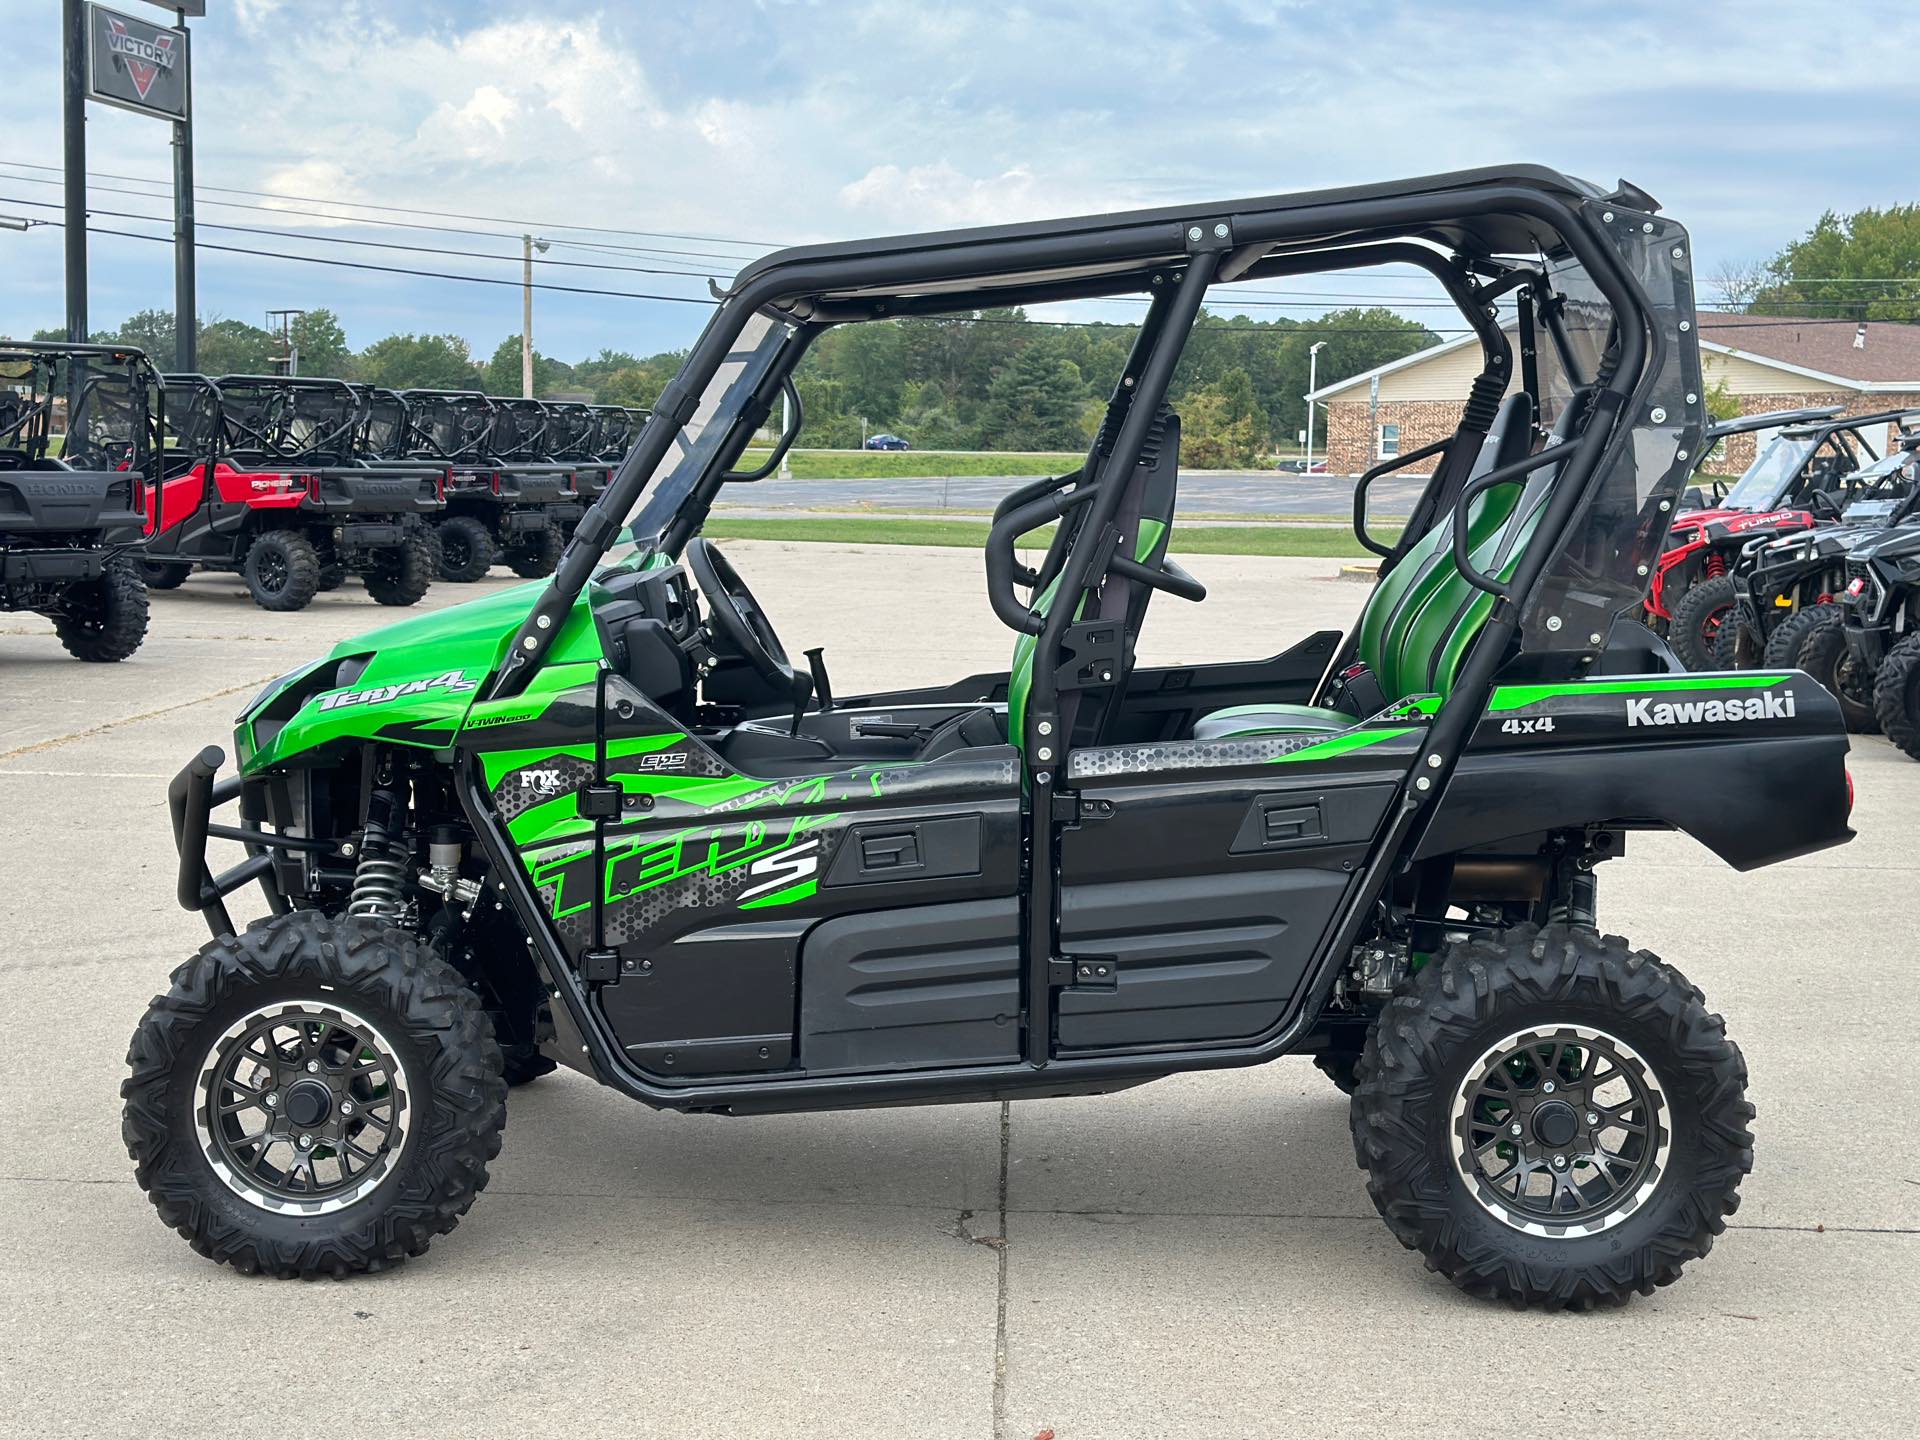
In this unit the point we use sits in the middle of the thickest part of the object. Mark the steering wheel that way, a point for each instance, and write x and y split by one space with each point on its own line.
738 616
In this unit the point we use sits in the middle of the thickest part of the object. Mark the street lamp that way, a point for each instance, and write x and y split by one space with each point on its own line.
528 244
1313 371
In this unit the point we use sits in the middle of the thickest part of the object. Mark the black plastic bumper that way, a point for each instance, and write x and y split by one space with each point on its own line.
52 566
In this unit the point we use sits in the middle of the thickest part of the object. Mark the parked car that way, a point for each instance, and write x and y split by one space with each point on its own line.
884 441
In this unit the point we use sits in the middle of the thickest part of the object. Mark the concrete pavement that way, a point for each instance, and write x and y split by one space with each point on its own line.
1194 1257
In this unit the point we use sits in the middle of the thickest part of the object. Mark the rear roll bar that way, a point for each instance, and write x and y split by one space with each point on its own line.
191 797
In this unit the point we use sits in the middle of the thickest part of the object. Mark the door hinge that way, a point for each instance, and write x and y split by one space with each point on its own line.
1083 972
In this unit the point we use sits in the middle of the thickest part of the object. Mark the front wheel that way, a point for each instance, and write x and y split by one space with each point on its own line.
282 570
466 549
1697 620
1896 695
1552 1119
164 575
313 1097
1824 655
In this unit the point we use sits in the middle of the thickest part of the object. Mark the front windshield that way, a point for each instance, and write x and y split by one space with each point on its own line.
695 447
1771 472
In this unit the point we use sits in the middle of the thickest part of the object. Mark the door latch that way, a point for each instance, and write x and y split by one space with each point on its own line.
1084 972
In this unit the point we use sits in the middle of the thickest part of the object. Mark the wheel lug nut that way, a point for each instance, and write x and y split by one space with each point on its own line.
272 1099
1547 1089
1514 1129
1592 1119
1559 1162
346 1107
313 1068
306 1143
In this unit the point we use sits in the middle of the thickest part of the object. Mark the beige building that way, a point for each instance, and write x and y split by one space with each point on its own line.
1764 362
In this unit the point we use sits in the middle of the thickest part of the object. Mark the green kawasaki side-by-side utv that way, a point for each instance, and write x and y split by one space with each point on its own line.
604 821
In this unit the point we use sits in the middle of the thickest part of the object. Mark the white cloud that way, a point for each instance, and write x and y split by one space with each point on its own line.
937 196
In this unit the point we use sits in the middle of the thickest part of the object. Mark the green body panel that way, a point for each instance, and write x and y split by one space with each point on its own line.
422 678
1519 697
1343 744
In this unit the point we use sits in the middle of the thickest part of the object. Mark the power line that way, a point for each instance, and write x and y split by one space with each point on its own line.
372 244
417 210
642 250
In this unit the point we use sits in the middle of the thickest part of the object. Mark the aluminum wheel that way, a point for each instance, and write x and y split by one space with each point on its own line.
1560 1131
302 1107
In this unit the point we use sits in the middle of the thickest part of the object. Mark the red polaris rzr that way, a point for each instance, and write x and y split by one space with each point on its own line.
1788 487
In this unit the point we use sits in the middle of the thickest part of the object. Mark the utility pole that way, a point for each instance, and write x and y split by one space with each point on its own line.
1313 372
289 358
185 308
73 126
528 244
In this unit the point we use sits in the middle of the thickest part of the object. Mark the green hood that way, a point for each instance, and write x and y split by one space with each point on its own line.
412 683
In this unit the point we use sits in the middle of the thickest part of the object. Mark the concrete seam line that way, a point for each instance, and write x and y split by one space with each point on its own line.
102 729
1000 1298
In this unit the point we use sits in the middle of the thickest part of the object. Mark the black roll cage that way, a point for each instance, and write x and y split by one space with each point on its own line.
811 288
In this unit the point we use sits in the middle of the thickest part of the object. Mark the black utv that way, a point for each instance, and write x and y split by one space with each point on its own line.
1877 665
1784 588
75 456
608 823
265 476
506 502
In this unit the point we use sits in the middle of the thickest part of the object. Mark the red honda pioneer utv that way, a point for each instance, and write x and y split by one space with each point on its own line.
264 477
607 823
614 429
73 515
1789 486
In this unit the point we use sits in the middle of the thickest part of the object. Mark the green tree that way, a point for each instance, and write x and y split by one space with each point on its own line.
420 362
1865 266
322 345
502 371
1034 402
233 347
153 332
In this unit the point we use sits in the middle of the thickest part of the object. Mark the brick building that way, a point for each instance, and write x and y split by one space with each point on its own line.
1765 363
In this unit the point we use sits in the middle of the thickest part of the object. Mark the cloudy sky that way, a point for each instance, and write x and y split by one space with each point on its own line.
749 125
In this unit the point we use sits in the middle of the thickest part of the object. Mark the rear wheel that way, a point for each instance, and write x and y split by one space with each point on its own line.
162 576
466 549
1896 695
536 555
282 570
1552 1119
1341 1067
313 1097
1697 621
104 619
1823 654
401 575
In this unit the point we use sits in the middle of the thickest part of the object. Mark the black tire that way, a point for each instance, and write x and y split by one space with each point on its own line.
1440 1032
282 570
535 556
1823 654
332 577
1341 1067
466 549
1697 620
160 575
1896 695
1737 646
524 1064
404 573
106 618
447 1099
1783 646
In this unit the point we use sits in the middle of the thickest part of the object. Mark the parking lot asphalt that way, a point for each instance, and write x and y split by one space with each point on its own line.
1195 1257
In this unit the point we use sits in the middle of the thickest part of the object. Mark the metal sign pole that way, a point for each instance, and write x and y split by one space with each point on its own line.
73 109
186 324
